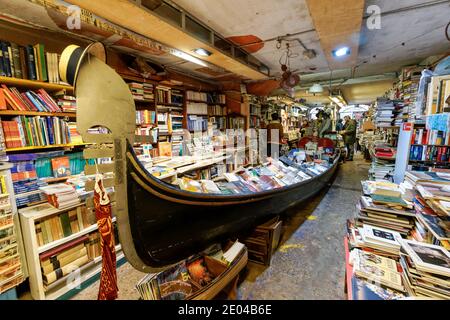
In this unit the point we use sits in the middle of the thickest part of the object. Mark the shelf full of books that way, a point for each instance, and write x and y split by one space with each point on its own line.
206 97
31 62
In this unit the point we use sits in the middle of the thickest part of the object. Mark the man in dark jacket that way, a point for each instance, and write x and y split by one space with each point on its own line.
349 134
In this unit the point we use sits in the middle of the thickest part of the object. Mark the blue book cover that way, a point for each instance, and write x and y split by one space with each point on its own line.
41 102
50 130
33 101
30 62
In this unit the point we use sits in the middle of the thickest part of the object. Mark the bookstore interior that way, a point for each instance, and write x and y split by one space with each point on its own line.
224 150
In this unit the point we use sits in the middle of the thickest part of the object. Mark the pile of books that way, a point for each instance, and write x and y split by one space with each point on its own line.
216 110
389 112
187 277
61 195
59 262
399 240
275 174
28 62
62 225
38 100
25 182
66 102
142 91
426 269
163 95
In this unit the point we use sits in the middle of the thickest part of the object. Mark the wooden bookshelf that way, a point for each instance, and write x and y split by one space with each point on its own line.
37 113
52 146
208 103
34 84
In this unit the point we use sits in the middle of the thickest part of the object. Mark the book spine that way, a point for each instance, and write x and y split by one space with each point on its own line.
6 57
43 62
11 61
2 61
23 62
31 62
37 64
16 60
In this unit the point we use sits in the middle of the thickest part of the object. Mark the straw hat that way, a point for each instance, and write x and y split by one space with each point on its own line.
72 58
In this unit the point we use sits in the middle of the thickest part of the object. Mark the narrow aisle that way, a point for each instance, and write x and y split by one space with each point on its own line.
309 263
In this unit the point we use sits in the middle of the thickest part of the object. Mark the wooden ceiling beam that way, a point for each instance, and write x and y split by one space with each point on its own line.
132 17
338 23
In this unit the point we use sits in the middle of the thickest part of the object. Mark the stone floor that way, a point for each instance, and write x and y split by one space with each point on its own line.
309 263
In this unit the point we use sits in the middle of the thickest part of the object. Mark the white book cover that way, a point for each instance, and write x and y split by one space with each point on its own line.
428 257
381 236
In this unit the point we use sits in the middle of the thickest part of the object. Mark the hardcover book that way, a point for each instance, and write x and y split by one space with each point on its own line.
61 167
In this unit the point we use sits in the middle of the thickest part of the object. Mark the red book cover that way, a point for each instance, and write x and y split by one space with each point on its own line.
413 137
13 91
10 99
20 99
425 137
3 105
29 103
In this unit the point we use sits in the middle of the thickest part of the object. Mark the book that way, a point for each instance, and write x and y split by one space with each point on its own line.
174 282
428 257
64 270
61 167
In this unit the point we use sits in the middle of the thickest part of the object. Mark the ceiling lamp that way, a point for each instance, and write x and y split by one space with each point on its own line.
187 57
316 88
344 51
202 52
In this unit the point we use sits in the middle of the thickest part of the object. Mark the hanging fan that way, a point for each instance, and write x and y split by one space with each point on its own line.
288 79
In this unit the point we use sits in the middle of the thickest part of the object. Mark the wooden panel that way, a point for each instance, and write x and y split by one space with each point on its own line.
150 25
102 168
93 153
338 23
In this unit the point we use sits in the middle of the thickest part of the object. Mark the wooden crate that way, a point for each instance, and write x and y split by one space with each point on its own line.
263 241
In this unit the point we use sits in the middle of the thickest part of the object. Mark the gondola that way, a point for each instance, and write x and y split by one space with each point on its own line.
158 223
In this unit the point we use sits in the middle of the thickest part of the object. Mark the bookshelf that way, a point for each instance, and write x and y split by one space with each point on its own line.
52 146
61 287
34 84
14 262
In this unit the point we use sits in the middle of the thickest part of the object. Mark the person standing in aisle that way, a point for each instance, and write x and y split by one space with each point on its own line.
325 126
274 128
349 134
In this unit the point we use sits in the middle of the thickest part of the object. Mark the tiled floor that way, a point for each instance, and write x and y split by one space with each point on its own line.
309 263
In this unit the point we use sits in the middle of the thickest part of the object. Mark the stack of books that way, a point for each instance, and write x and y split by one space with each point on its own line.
61 195
28 62
62 260
142 91
426 269
38 100
25 182
163 95
197 123
66 102
197 96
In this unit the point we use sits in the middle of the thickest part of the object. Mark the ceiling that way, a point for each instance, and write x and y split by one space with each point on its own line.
417 24
410 31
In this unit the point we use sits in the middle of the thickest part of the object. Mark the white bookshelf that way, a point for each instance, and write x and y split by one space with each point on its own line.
28 217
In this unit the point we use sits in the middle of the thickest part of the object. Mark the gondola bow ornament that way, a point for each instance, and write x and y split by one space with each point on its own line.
108 279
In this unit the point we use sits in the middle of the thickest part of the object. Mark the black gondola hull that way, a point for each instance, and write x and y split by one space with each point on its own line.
169 225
